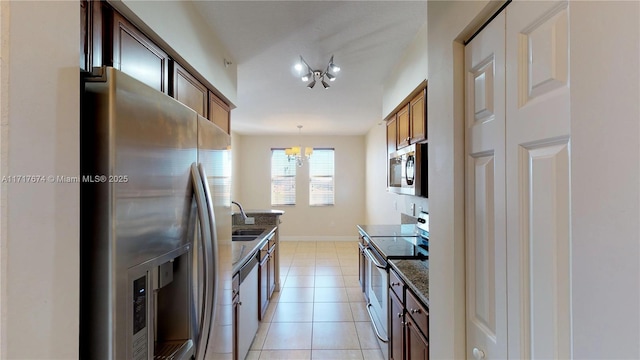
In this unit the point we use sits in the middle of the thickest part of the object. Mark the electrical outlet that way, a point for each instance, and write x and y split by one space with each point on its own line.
250 221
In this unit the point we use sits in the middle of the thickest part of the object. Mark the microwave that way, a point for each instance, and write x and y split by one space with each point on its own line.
407 171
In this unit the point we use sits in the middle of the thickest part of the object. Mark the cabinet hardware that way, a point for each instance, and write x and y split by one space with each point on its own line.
478 354
400 315
415 311
395 284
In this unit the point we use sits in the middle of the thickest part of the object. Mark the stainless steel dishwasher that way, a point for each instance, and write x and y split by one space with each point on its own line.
248 312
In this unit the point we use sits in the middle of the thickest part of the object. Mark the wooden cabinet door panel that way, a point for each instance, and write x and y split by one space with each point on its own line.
418 118
271 269
418 313
219 113
403 127
136 55
263 287
189 91
416 346
392 135
396 284
396 328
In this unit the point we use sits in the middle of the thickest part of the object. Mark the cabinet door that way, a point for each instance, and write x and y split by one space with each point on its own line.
396 327
219 113
418 118
271 272
189 91
263 287
416 346
138 56
403 127
392 134
236 312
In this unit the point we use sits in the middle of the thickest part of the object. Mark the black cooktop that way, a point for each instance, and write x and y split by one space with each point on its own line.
401 247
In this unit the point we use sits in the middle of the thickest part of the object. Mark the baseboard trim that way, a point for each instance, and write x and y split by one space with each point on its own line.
319 238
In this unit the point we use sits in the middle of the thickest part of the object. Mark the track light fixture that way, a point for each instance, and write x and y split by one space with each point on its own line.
309 74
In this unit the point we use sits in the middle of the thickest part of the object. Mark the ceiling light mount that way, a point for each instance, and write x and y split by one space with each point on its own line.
307 73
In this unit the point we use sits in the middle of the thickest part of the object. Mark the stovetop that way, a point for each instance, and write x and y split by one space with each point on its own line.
406 230
401 247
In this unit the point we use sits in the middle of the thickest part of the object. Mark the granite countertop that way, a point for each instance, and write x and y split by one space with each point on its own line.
265 212
241 251
415 274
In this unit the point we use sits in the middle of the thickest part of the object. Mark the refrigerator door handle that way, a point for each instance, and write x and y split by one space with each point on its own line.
204 321
213 245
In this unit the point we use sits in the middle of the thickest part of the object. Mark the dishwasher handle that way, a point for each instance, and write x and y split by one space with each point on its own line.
247 267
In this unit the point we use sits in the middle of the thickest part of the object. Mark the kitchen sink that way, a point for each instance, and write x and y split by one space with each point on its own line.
244 232
243 237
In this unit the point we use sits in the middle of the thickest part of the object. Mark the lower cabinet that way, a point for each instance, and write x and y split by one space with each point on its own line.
416 345
396 328
235 296
271 269
263 281
266 276
408 323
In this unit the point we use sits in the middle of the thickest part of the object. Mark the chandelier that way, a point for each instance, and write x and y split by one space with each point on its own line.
295 153
309 74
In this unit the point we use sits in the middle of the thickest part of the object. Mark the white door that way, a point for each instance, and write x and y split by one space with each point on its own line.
485 193
538 184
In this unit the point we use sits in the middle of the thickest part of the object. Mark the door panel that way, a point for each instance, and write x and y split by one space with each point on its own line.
538 151
485 194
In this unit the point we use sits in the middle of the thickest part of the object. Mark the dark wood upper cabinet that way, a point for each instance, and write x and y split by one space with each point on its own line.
136 55
407 124
403 127
392 132
189 91
107 38
219 113
91 34
417 118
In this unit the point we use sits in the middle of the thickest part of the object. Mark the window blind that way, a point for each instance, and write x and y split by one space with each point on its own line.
321 177
283 179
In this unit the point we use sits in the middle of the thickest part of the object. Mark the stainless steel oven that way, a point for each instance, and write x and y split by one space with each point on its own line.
378 243
376 287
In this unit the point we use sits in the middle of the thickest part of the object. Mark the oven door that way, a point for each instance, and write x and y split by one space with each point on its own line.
377 288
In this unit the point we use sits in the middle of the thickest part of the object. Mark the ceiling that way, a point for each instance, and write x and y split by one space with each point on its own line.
266 39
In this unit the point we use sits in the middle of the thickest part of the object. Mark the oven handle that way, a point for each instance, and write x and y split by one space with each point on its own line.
375 328
373 260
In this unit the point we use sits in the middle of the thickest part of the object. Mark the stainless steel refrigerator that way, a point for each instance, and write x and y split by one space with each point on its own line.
155 225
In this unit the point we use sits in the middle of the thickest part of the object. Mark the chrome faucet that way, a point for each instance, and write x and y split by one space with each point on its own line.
244 215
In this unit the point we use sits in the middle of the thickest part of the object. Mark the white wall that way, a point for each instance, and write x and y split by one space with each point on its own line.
39 79
410 70
605 176
182 28
336 222
380 204
383 207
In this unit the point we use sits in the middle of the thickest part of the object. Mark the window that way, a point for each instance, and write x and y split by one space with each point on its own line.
283 179
321 177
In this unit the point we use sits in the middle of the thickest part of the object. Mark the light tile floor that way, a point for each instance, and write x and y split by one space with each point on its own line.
319 312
